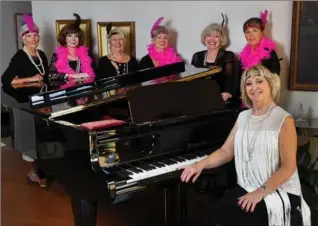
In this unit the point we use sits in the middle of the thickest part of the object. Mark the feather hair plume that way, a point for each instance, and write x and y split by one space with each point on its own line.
78 20
264 17
155 25
28 19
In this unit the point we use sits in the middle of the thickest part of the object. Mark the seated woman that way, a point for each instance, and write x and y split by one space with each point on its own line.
215 37
28 68
263 143
117 62
159 51
71 63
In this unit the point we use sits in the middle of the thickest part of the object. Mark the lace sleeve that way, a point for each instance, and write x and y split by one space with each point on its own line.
53 74
229 72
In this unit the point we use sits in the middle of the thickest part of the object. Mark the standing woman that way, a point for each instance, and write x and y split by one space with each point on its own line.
259 48
71 63
215 38
159 51
28 65
117 62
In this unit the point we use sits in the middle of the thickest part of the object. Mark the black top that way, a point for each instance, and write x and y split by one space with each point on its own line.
146 62
226 60
106 69
22 67
56 76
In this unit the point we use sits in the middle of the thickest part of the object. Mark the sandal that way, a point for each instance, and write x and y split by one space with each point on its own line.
33 178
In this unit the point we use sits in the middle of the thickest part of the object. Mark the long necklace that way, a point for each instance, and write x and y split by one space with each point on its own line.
250 143
125 70
37 66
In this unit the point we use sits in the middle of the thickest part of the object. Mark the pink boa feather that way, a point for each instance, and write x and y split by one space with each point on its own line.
251 57
62 64
165 57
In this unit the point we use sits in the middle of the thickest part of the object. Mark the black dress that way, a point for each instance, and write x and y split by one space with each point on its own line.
106 69
226 60
21 66
146 62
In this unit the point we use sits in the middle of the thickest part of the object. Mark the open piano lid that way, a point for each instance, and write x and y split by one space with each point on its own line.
102 91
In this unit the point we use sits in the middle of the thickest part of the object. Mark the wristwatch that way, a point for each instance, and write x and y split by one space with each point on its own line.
264 189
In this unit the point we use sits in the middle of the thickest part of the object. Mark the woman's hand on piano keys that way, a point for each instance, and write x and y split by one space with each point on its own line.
190 171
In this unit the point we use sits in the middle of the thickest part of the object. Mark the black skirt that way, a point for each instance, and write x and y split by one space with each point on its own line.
229 213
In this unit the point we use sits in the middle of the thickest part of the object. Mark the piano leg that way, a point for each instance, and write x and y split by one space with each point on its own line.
182 204
175 205
84 212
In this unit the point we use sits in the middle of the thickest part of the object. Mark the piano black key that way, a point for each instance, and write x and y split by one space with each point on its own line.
154 163
167 161
131 168
188 156
146 167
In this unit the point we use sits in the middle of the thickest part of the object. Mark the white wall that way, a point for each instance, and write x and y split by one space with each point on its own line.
8 35
188 18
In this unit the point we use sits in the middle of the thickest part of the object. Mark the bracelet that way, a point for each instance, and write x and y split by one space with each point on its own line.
264 189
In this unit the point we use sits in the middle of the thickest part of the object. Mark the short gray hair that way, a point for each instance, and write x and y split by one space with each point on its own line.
272 79
160 30
218 28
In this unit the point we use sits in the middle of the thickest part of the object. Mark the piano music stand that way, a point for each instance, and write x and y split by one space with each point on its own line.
173 100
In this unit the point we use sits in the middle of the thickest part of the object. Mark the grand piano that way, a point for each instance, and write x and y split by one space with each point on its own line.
115 137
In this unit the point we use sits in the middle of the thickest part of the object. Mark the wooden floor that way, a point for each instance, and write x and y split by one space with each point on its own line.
30 205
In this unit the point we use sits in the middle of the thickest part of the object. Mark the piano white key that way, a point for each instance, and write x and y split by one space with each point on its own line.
162 170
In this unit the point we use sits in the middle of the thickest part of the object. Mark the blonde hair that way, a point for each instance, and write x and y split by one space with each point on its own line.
272 79
117 31
218 28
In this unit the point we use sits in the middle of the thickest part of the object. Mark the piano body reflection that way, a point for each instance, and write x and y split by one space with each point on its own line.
101 144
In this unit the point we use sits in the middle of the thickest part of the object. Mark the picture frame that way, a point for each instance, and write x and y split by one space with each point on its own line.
127 26
18 22
303 74
85 26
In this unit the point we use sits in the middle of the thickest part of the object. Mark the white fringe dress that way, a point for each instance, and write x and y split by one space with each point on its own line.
255 169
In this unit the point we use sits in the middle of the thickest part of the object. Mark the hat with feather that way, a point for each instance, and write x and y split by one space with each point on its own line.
28 25
114 31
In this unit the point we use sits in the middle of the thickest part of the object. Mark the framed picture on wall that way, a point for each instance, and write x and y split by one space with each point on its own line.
18 21
85 26
304 45
129 29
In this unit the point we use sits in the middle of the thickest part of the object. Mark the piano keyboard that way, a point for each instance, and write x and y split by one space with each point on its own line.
149 168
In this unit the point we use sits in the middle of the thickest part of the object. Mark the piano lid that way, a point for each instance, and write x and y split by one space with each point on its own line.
82 97
103 85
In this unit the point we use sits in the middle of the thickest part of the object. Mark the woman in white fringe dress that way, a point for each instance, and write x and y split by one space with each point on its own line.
263 143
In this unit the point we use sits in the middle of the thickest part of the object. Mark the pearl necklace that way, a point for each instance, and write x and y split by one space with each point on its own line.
117 66
37 66
250 143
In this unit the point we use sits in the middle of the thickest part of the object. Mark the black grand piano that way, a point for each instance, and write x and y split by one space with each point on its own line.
121 135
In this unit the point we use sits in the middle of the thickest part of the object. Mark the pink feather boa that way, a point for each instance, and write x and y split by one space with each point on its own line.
251 57
165 57
62 64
